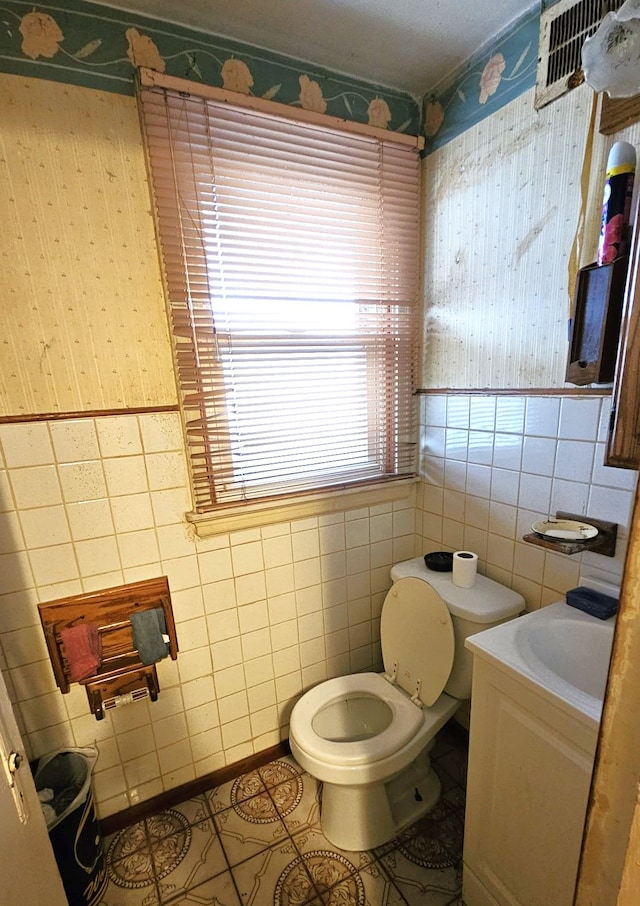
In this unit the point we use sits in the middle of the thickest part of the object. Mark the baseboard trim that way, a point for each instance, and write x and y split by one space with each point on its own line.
169 798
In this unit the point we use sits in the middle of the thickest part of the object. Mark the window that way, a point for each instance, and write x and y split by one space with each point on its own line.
290 253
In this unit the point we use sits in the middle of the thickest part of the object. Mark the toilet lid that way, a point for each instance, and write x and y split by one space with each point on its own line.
417 635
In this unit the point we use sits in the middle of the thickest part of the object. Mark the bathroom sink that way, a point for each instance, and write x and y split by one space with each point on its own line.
538 689
578 653
559 650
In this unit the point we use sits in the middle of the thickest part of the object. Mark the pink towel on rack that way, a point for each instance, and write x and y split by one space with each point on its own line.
82 648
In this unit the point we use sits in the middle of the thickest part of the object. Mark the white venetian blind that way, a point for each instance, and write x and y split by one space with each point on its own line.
290 252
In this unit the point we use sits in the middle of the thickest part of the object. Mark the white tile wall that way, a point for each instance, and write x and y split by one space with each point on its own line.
265 613
260 614
526 457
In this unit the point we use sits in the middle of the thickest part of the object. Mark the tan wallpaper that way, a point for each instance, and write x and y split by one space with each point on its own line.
502 204
82 322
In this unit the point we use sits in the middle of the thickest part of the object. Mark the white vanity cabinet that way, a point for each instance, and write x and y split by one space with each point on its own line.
530 765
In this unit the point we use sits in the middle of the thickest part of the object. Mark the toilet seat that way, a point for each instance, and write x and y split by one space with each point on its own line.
418 642
367 737
405 721
410 603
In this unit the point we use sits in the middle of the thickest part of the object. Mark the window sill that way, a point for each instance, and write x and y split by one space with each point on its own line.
233 519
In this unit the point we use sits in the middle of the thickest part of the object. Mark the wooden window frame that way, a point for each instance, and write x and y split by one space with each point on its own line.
210 515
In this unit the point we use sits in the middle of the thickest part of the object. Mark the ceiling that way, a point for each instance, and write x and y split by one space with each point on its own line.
406 44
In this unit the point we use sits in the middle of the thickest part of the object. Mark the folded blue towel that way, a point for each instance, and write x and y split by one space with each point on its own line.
592 602
148 629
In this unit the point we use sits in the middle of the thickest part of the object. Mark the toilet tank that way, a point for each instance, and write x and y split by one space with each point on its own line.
485 604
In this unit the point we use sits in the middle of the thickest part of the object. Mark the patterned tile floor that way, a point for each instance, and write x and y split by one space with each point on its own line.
256 841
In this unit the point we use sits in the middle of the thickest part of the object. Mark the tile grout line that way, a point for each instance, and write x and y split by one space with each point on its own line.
375 858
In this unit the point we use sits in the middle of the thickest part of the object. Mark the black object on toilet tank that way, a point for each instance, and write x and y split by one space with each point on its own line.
439 561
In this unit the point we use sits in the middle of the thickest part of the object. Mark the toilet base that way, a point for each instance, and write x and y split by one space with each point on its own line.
363 817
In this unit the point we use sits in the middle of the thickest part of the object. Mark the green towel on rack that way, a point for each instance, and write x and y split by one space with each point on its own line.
149 627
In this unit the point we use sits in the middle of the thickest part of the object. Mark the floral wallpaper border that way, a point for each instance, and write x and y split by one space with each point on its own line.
99 47
499 72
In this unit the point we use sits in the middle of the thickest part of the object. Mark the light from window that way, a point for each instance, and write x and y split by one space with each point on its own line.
290 259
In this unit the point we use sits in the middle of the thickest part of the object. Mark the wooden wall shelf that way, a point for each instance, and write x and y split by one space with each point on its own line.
120 672
618 113
604 543
595 322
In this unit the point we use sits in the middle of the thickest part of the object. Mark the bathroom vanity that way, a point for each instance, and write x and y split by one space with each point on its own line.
538 687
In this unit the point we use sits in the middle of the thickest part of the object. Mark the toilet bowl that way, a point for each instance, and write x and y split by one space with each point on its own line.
367 736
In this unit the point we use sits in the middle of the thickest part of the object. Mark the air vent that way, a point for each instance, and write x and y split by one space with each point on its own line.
563 30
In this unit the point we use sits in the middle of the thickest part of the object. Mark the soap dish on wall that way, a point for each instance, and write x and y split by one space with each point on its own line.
564 530
602 542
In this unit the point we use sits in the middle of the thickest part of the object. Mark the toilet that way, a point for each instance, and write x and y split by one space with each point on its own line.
367 736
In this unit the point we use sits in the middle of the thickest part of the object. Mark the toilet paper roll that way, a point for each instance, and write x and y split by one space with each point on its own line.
465 567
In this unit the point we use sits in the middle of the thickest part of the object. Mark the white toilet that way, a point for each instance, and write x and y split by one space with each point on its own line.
367 736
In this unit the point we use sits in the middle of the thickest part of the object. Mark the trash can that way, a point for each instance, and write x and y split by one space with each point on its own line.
63 781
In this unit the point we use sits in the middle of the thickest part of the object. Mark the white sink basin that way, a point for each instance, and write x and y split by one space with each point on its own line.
562 651
577 652
538 689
